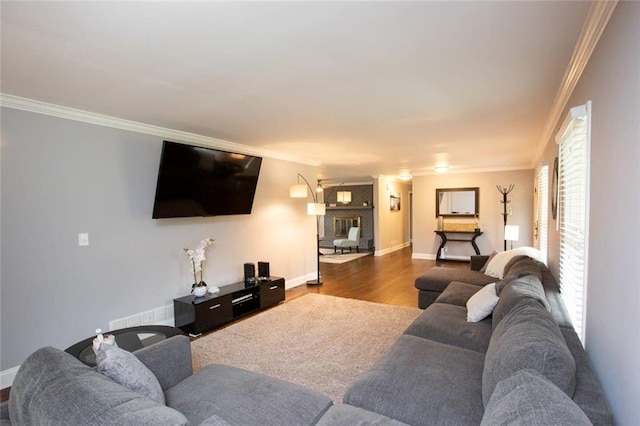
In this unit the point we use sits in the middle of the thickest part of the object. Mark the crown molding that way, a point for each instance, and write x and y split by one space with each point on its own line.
38 107
597 19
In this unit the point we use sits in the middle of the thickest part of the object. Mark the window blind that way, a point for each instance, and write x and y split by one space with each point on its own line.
573 212
543 209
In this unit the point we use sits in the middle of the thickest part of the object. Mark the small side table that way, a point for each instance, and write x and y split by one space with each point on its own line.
129 339
444 240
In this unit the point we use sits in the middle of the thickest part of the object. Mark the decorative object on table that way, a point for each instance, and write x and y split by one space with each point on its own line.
100 338
511 233
198 288
505 201
440 223
394 202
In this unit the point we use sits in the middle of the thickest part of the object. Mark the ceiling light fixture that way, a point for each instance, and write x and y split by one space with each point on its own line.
441 169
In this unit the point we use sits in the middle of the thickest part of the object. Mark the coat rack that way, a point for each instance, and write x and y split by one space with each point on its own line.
505 192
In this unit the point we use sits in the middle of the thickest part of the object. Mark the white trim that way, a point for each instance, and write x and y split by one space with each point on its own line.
575 112
24 104
594 25
467 171
391 249
423 256
8 376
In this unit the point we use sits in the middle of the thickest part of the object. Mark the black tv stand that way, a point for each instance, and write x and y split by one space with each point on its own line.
195 315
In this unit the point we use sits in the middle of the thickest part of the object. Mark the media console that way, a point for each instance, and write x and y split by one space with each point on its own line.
194 315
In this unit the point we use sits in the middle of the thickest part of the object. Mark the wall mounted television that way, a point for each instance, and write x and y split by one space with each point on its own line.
198 181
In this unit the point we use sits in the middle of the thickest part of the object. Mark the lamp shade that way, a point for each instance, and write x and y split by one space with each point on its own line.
298 191
316 209
511 232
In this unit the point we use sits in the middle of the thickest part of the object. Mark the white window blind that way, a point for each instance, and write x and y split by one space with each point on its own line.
573 212
543 209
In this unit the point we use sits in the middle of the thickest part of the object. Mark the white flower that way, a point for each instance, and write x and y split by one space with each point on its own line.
197 257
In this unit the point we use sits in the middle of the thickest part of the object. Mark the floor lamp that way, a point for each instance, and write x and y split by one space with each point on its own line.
313 209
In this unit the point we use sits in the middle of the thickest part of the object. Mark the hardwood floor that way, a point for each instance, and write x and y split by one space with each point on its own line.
385 279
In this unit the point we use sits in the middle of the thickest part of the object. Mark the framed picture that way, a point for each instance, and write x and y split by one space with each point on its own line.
394 202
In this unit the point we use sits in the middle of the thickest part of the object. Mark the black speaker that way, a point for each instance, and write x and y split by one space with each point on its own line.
263 270
249 274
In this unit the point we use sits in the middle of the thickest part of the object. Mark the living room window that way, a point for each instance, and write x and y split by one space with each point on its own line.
542 213
574 141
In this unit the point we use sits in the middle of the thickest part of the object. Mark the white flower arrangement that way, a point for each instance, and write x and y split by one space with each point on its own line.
197 257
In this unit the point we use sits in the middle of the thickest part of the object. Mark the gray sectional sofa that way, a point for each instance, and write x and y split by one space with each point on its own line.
524 364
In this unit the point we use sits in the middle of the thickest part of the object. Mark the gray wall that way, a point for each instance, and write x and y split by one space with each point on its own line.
62 177
612 82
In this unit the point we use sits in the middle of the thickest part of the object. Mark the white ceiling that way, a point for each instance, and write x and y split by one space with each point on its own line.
364 88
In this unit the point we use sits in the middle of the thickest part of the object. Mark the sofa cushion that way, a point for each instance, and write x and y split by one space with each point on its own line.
448 324
522 265
496 266
49 379
481 304
523 288
174 351
242 397
457 293
527 397
125 368
343 414
418 381
527 337
438 278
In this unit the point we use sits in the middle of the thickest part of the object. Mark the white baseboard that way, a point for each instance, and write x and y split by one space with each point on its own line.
423 256
429 256
7 376
391 249
298 281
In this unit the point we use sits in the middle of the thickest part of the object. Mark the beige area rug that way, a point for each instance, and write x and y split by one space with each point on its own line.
322 342
329 257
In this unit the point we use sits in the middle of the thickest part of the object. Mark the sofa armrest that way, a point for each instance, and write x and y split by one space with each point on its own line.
169 360
478 261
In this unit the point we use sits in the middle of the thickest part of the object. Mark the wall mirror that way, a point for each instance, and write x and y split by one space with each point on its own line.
458 202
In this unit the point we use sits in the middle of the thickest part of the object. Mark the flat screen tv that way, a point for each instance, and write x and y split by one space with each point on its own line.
197 181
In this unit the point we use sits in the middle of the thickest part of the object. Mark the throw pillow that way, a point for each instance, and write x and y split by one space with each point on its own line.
528 397
481 304
495 267
126 369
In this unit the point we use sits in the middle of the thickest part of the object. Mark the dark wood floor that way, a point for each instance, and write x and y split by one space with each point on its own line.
384 279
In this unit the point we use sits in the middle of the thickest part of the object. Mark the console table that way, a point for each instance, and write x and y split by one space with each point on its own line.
195 315
443 237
